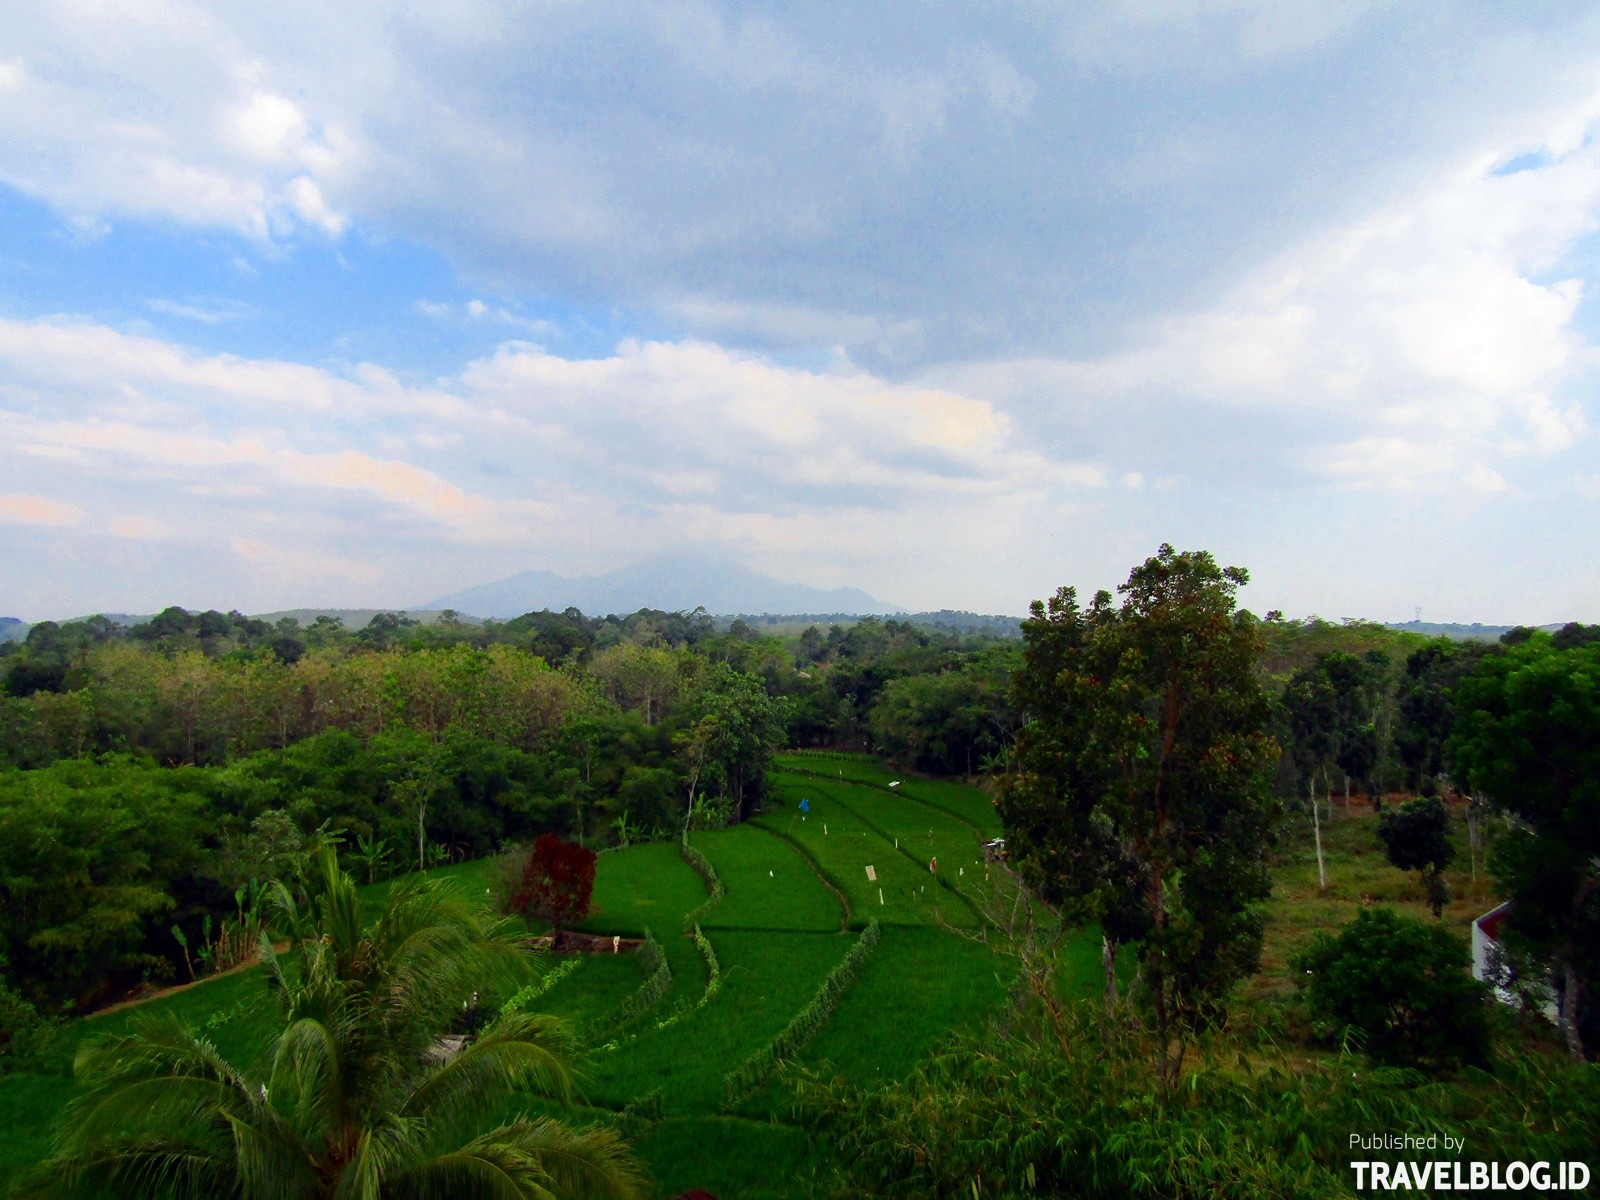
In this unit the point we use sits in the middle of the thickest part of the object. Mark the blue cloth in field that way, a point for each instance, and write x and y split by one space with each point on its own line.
805 806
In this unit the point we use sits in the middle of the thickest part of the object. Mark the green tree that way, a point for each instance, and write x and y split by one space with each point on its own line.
1140 789
362 1095
747 725
1403 985
1528 734
1416 837
414 764
96 860
947 723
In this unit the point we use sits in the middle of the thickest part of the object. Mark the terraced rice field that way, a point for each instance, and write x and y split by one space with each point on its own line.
798 893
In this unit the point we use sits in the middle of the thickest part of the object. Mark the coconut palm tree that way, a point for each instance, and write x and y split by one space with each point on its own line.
363 1094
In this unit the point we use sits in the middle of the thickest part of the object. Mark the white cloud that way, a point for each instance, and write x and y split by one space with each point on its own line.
949 188
157 110
76 355
268 127
400 484
214 313
657 444
1433 339
139 529
23 509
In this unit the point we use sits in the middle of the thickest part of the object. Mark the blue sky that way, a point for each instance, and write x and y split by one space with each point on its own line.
363 304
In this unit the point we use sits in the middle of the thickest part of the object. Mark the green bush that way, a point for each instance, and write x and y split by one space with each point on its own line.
1084 1116
656 985
23 1032
702 867
1402 986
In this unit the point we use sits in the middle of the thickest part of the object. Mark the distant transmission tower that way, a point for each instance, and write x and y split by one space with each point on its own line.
1419 614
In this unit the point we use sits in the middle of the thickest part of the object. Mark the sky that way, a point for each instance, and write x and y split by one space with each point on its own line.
361 304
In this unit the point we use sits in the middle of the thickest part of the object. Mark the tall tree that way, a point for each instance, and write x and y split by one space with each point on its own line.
1141 787
359 1098
1416 837
746 726
1528 734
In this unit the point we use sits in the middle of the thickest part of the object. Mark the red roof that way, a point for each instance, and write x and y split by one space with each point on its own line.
1491 921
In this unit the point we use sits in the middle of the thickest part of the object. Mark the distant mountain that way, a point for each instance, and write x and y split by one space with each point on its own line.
673 583
13 629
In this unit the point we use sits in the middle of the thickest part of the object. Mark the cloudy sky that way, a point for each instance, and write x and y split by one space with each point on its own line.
362 303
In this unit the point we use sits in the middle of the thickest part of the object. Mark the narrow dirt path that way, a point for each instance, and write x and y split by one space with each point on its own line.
163 993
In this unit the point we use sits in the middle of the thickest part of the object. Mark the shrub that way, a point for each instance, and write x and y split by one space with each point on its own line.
1402 986
23 1032
527 995
713 984
657 982
1084 1116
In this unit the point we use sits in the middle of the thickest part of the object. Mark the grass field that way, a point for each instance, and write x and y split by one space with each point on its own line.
795 896
1359 876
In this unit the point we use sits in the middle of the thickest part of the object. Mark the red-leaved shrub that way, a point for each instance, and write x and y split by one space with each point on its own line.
556 883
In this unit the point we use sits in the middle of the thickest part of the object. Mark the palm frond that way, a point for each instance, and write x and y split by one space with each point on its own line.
273 1162
519 1051
490 1172
159 1079
131 1169
306 1076
577 1164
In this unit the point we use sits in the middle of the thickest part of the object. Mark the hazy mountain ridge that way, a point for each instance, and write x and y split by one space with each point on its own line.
672 584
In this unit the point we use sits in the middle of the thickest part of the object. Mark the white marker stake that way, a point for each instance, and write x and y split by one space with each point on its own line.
880 895
872 876
770 875
824 829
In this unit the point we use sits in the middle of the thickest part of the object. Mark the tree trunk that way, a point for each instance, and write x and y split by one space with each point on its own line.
1475 829
1570 994
1108 963
1316 828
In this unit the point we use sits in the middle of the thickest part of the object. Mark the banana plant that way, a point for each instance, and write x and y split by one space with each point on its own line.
371 853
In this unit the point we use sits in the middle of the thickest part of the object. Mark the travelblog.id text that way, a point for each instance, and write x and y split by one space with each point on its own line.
1455 1174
